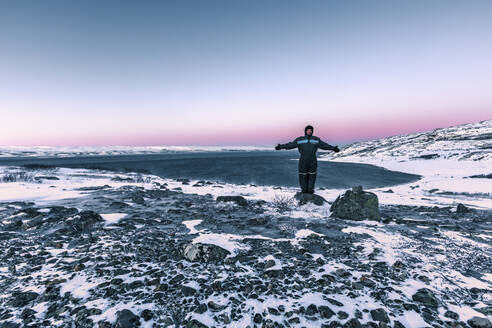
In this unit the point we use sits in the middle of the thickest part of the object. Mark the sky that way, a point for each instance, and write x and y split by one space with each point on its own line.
94 73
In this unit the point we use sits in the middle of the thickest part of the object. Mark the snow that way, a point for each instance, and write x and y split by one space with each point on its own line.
190 224
112 218
79 286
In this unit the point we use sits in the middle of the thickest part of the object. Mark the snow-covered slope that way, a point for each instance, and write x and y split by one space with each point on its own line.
453 162
462 142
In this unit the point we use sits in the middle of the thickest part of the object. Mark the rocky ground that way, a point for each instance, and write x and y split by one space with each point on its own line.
145 254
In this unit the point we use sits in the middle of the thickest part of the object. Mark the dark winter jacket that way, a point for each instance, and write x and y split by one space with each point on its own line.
307 147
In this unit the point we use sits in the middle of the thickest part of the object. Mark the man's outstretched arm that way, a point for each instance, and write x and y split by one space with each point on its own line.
289 145
323 145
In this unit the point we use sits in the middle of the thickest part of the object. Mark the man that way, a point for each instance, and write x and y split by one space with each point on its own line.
307 146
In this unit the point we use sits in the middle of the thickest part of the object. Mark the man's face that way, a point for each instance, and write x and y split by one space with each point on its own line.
309 132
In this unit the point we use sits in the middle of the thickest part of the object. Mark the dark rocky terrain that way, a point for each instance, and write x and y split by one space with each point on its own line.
135 255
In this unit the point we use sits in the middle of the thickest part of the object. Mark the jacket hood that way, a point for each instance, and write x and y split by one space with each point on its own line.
308 127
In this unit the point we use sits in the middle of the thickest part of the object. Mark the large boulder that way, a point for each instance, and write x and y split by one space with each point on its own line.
426 297
304 198
479 322
126 319
199 252
356 204
85 221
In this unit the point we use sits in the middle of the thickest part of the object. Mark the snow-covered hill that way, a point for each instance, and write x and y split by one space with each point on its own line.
462 142
454 163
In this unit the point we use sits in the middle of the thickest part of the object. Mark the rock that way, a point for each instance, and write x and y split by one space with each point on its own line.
194 323
214 306
269 264
342 315
311 309
462 209
451 315
9 324
487 310
304 198
85 220
20 299
202 308
478 322
198 252
398 324
188 291
236 199
426 297
126 319
184 181
352 323
379 315
147 314
356 204
325 312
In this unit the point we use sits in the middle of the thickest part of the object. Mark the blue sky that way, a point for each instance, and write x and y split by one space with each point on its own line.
239 72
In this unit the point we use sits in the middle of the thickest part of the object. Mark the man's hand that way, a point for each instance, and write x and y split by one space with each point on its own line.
336 149
277 147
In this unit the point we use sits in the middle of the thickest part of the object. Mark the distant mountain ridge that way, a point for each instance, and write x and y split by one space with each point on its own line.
471 141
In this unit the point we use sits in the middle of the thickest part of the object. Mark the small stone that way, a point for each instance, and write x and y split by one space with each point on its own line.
325 312
352 323
451 315
202 308
200 252
311 309
188 291
147 314
342 315
194 323
215 307
240 200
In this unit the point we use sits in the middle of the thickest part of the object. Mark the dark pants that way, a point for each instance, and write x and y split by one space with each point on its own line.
307 175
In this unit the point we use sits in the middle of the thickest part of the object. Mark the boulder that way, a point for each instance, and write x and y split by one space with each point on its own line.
85 221
304 198
356 204
126 319
478 322
20 299
236 199
462 209
426 297
199 252
380 315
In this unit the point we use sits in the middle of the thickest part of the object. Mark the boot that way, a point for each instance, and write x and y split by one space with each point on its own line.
311 182
303 182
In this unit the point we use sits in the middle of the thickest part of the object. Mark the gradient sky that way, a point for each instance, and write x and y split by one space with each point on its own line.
239 72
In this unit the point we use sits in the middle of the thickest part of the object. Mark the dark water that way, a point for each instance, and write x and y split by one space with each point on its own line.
240 167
